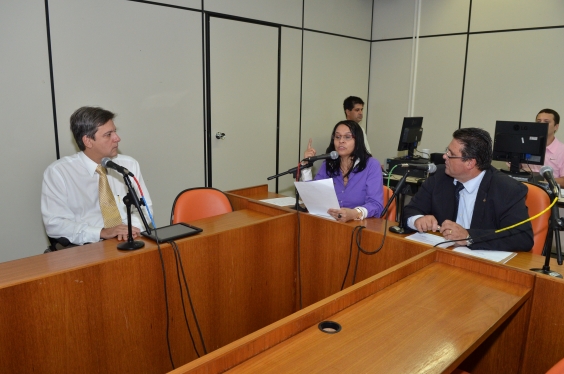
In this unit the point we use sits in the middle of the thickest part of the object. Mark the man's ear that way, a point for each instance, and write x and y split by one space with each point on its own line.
471 163
87 141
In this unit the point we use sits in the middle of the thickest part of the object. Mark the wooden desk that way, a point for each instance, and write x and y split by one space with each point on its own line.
95 309
427 315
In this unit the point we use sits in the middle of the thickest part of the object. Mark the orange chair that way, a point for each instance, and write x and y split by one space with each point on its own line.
537 200
200 202
392 210
558 368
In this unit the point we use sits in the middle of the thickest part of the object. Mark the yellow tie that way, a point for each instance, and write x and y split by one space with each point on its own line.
108 205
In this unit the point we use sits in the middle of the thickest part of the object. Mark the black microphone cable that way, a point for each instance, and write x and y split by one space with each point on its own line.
179 263
357 234
164 275
165 297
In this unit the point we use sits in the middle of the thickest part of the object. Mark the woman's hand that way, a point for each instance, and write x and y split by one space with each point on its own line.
310 152
343 214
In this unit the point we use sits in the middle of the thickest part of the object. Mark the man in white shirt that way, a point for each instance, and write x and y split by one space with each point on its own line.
354 108
70 202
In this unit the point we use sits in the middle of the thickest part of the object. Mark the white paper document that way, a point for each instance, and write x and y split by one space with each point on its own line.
281 201
496 256
429 239
318 196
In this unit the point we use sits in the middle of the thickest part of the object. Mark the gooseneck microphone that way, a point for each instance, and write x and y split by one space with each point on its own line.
547 173
108 163
333 156
431 168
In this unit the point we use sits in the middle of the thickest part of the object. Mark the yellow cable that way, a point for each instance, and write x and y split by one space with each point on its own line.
530 218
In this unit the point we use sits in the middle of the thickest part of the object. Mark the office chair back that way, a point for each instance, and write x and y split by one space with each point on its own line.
558 368
537 200
197 203
392 210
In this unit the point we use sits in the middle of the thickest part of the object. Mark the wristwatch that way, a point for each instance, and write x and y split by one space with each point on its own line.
359 217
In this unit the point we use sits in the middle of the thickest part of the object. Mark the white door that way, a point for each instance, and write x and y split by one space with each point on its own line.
243 96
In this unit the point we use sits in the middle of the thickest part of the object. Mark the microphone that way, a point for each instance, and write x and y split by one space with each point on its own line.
108 163
547 173
333 156
431 168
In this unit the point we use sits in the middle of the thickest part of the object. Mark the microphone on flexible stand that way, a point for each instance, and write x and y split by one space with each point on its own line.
397 190
399 229
430 168
333 156
109 164
129 199
547 173
554 226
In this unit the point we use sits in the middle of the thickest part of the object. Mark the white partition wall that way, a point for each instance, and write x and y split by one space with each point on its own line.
510 76
287 12
334 68
143 62
390 73
290 96
27 126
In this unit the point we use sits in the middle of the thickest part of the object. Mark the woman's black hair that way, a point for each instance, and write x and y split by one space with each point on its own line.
359 153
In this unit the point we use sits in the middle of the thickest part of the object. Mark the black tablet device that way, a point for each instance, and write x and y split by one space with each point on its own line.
172 232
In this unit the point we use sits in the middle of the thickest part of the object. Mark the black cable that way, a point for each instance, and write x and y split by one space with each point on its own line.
166 301
350 257
176 255
175 247
358 231
369 253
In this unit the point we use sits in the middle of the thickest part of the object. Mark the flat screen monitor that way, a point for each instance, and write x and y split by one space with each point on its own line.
520 143
411 133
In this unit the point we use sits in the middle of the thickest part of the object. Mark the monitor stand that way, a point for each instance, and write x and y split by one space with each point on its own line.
521 176
414 159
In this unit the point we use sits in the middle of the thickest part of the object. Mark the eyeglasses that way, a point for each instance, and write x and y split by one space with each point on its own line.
344 137
449 155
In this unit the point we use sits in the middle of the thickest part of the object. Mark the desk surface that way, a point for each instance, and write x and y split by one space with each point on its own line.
425 323
425 315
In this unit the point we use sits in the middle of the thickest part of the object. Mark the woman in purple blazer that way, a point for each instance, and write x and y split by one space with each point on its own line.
357 176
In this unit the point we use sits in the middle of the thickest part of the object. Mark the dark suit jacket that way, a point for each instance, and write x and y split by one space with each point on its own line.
500 202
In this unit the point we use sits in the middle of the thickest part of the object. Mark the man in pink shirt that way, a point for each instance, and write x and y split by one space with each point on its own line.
554 156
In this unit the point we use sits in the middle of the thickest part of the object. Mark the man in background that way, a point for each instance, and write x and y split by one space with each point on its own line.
81 201
554 156
354 108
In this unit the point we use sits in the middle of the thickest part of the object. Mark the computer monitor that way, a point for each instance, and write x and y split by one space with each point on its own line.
520 143
411 133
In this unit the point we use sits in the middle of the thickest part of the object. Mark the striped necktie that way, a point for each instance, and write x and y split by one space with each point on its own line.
108 206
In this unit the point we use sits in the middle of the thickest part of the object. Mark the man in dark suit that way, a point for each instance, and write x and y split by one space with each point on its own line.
488 200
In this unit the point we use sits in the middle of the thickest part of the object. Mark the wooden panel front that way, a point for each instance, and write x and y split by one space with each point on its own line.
94 309
328 251
425 315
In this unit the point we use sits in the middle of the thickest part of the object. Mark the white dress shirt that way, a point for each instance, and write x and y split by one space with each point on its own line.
70 202
465 203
